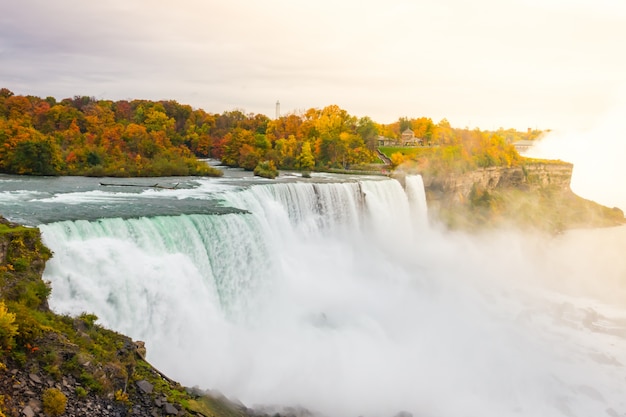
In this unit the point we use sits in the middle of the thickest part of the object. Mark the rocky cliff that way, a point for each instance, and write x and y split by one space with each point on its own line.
458 187
534 195
52 365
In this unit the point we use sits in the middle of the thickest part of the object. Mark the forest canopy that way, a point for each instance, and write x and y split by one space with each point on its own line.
86 136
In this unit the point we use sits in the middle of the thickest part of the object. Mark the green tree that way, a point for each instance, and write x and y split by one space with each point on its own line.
367 129
286 151
36 157
156 120
233 141
404 124
305 160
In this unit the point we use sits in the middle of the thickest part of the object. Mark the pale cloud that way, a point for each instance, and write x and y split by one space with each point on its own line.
486 63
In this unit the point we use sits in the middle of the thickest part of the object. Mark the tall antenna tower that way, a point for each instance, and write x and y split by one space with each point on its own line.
277 109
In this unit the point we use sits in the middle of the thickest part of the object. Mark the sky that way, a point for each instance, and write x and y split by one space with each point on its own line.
599 172
546 64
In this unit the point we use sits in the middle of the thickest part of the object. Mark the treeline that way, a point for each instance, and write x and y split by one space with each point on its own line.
86 136
464 150
457 150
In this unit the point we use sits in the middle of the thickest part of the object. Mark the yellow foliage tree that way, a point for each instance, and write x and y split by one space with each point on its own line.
306 161
397 159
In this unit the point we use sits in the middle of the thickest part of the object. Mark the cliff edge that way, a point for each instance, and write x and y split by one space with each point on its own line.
53 365
534 195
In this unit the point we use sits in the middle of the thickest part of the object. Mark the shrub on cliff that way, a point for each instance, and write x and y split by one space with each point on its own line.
54 402
8 328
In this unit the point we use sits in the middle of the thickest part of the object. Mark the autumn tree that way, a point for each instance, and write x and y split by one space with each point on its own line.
423 128
444 134
123 111
180 113
97 118
34 154
305 160
233 141
5 93
284 127
286 151
249 157
18 108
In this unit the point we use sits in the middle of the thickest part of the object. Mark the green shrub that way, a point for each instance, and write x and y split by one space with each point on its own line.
28 323
8 328
54 402
32 293
53 371
21 264
266 169
91 382
202 168
81 392
88 319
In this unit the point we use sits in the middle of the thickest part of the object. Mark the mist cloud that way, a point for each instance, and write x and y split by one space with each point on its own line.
360 318
597 154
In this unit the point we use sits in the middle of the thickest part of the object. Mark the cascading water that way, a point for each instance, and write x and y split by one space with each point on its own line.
339 298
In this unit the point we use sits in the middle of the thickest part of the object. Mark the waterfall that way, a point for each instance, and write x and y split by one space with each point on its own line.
225 257
337 297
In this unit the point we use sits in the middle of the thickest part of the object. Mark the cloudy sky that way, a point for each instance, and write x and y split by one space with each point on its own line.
485 63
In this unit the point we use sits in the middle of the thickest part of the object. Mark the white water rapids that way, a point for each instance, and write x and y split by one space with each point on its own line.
340 298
